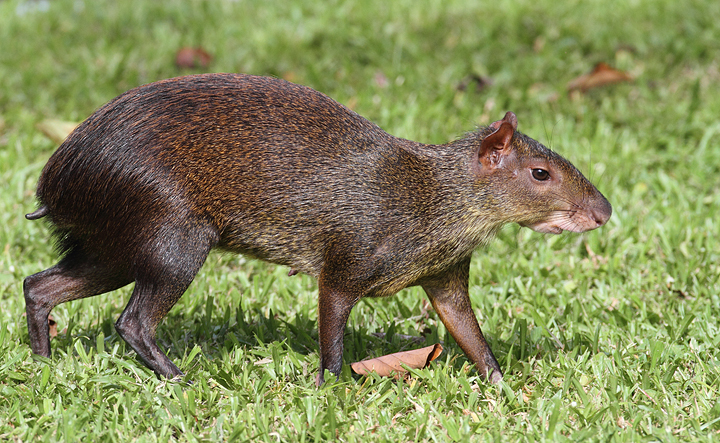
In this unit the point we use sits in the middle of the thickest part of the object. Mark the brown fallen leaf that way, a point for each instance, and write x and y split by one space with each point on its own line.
352 103
56 130
381 81
290 76
53 326
474 83
601 75
392 364
192 58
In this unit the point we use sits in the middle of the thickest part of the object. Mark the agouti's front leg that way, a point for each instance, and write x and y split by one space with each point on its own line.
333 312
336 299
449 296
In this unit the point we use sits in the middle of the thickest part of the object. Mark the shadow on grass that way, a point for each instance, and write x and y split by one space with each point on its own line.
254 328
249 328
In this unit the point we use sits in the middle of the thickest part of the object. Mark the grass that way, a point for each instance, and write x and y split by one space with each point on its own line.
610 335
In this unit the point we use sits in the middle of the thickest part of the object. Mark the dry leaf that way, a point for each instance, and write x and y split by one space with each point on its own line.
56 130
352 103
53 326
601 75
192 58
381 80
290 76
392 364
474 83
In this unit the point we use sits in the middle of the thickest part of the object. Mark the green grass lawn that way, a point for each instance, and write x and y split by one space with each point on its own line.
610 335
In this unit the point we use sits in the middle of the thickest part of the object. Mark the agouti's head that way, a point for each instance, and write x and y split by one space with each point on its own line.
533 186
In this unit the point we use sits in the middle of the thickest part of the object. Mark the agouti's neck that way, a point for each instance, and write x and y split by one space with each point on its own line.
457 213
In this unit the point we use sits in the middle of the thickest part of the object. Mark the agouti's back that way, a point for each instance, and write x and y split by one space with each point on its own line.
252 155
146 186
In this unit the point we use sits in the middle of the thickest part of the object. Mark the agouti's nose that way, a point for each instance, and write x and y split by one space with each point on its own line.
601 212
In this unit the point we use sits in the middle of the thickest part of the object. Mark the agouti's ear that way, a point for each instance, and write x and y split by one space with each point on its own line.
498 143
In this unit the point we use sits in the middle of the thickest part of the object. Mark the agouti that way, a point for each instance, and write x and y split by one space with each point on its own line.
145 187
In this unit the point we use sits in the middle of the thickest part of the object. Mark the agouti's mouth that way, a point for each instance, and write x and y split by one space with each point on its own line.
544 228
575 221
554 230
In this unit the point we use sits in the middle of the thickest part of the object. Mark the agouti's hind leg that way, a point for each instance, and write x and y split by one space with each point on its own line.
162 275
75 276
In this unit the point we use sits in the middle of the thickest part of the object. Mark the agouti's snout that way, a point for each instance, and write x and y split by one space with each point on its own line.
151 182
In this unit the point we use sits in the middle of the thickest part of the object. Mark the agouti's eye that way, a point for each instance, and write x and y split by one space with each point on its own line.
540 174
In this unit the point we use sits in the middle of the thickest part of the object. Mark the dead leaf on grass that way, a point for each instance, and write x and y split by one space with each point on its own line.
603 74
290 76
381 81
56 130
53 326
392 364
192 58
474 83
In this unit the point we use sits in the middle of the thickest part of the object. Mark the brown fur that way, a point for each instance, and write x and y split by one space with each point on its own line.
151 182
